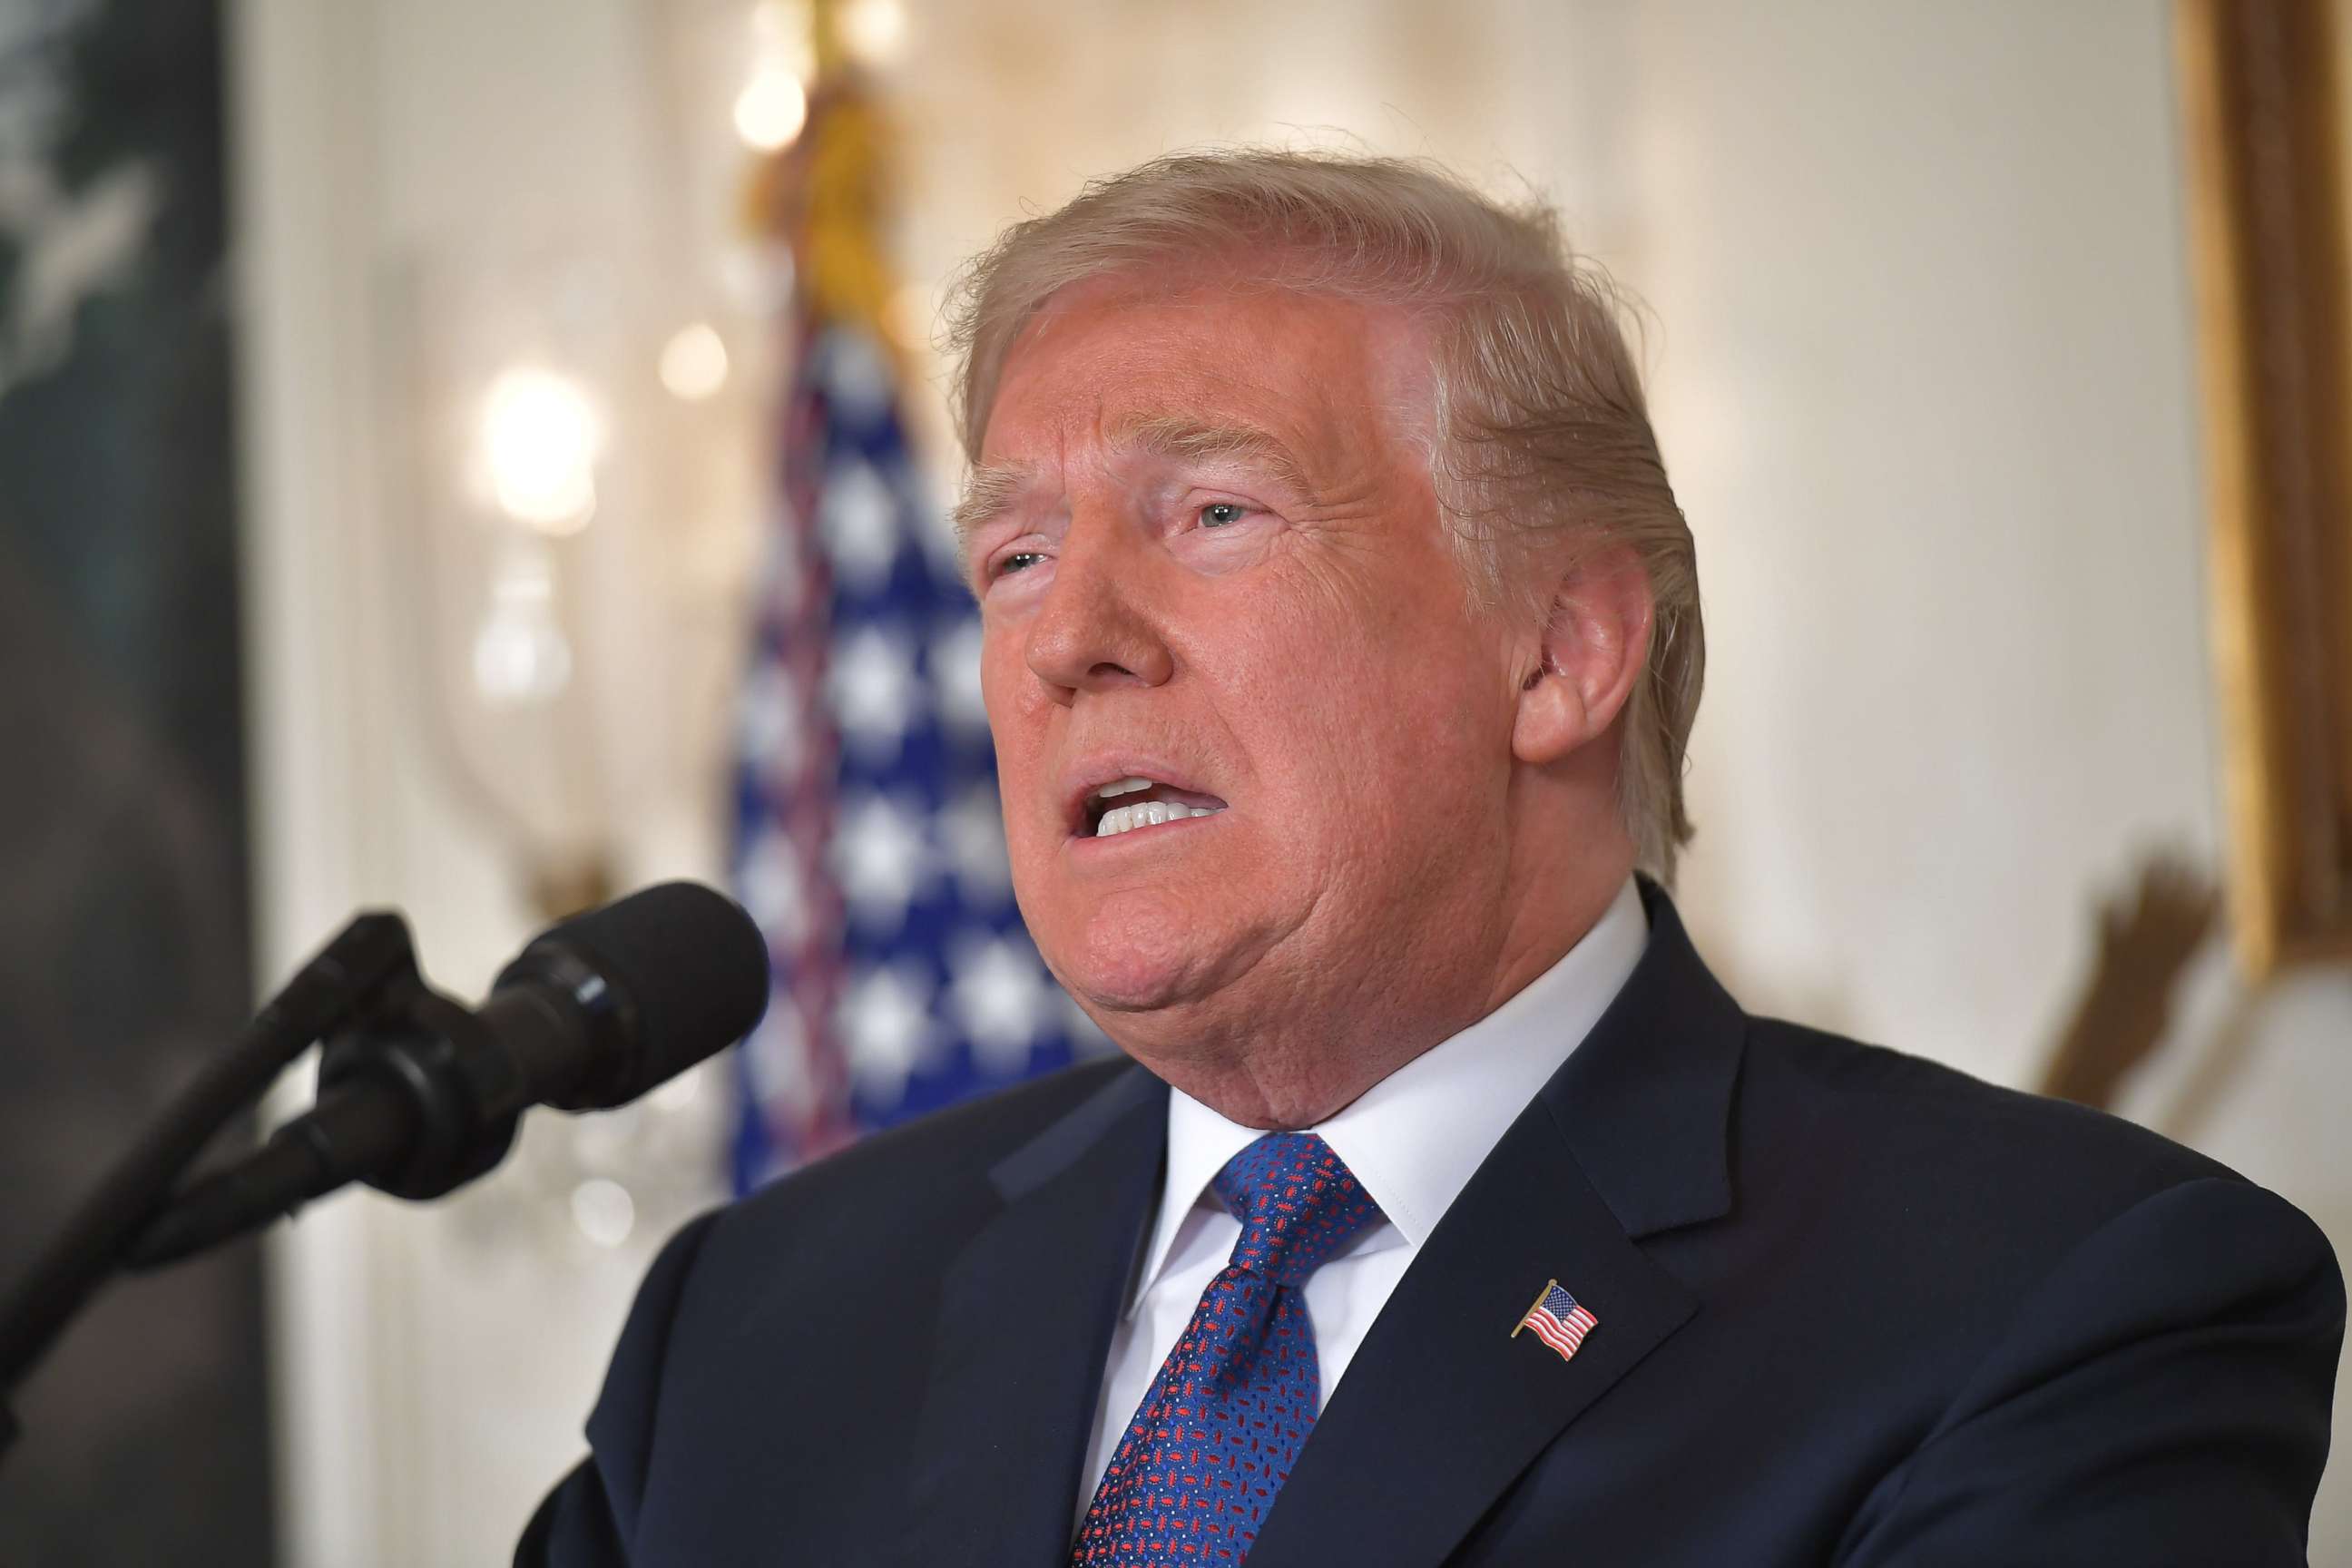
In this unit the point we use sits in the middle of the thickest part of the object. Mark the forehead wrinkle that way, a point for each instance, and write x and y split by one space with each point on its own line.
992 487
1184 439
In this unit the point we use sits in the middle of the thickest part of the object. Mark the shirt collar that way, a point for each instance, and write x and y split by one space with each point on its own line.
1415 1138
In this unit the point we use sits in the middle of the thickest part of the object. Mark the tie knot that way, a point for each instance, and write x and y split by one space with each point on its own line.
1298 1204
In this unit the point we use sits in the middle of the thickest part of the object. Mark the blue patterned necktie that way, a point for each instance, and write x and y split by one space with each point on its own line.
1215 1436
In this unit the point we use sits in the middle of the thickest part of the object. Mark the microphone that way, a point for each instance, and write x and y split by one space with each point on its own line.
423 1095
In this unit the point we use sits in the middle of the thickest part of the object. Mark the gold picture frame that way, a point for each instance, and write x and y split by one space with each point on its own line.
2266 156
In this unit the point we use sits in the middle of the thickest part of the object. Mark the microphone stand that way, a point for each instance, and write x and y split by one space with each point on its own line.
340 985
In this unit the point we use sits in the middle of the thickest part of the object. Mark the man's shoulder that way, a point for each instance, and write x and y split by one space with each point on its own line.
1867 1093
928 1171
1907 1147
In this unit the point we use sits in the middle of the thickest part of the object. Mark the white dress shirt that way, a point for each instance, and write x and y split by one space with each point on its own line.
1412 1140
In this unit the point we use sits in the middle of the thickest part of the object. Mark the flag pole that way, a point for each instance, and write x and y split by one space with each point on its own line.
1549 1286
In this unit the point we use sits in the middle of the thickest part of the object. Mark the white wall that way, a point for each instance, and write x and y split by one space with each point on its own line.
1926 388
1922 371
436 1364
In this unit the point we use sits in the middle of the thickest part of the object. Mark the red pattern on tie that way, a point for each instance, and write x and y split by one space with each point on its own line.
1191 1479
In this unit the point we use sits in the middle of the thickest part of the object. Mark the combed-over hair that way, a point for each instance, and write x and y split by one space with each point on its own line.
1543 430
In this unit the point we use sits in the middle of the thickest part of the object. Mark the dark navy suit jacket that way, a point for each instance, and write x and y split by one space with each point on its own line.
1854 1309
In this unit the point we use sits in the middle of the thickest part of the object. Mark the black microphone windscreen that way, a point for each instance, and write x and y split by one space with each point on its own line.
690 966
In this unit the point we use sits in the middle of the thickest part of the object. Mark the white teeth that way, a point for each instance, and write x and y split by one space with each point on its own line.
1121 786
1147 814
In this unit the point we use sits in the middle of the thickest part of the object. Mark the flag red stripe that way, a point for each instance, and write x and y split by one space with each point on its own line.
1557 1341
1555 1333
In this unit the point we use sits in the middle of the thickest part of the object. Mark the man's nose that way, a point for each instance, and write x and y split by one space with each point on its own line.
1088 633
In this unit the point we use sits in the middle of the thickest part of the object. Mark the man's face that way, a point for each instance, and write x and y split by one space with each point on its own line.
1209 556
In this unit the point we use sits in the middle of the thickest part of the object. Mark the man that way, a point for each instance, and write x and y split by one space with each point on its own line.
1342 640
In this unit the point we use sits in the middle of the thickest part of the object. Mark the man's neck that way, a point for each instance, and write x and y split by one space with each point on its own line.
1281 1082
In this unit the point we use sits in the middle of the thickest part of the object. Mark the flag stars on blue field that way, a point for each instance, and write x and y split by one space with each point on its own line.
858 521
955 671
887 1022
775 1059
768 878
870 845
882 856
877 694
769 723
971 835
1002 998
858 381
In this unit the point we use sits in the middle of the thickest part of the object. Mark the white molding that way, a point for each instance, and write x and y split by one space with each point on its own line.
301 154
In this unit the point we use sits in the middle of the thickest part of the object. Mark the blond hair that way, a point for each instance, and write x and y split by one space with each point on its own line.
1541 428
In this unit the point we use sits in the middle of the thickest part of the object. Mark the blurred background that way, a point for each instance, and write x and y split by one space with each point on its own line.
479 456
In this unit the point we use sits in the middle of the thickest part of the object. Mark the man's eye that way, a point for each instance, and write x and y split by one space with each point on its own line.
1019 561
1218 513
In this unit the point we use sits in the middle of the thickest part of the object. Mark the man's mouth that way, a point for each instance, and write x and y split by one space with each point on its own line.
1126 805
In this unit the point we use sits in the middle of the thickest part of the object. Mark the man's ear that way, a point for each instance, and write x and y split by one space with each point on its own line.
1590 654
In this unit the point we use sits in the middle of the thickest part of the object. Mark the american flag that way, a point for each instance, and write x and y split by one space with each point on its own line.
1558 1321
869 844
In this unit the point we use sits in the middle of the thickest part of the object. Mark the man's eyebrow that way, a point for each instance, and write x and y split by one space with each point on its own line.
1185 438
987 493
991 486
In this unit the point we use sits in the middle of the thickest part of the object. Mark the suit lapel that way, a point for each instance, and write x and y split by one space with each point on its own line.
1441 1404
1026 1319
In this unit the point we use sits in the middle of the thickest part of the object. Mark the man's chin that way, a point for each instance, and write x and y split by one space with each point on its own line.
1148 964
1131 987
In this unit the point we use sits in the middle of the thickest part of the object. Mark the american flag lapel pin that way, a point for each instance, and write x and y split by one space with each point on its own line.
1559 1319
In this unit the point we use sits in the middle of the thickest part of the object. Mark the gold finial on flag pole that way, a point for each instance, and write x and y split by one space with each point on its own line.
826 194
